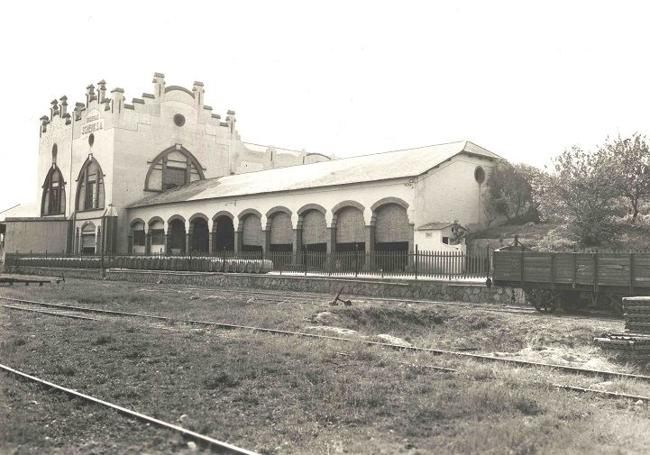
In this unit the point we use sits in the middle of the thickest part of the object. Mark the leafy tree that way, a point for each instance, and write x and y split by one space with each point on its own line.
581 192
629 163
510 193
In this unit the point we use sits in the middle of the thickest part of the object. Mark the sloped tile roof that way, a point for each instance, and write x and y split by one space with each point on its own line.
366 168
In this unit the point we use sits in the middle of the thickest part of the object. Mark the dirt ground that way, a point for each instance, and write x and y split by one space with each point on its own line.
277 394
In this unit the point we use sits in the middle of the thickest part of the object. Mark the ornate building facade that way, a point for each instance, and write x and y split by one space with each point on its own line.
164 174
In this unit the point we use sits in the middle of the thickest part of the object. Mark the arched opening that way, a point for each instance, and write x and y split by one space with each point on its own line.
350 230
138 238
314 231
53 200
176 237
314 239
281 233
200 236
172 168
252 238
88 239
157 236
90 186
392 236
224 235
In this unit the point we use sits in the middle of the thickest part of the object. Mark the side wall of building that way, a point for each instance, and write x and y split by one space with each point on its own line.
450 192
37 236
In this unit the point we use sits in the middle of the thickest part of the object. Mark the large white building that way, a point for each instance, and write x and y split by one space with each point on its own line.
165 175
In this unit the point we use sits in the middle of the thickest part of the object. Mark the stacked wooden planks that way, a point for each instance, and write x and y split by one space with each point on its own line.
636 311
633 345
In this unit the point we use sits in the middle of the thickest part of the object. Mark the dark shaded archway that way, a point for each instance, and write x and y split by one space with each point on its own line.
224 235
350 230
176 237
392 237
280 233
200 239
314 231
251 233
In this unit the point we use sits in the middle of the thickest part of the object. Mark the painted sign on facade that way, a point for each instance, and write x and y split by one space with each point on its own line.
93 123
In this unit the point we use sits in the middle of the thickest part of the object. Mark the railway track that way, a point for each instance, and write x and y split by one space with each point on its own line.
214 444
457 354
298 297
436 368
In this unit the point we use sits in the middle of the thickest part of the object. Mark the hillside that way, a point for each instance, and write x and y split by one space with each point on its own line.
548 236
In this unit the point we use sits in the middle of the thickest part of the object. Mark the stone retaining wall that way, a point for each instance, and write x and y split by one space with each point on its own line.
407 289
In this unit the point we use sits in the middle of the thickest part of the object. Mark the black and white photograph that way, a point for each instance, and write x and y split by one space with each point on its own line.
362 227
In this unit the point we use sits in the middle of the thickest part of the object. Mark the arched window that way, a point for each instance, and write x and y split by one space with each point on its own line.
88 238
90 186
53 201
174 167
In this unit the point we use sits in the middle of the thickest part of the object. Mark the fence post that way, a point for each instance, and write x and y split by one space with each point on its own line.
328 258
356 260
416 262
488 260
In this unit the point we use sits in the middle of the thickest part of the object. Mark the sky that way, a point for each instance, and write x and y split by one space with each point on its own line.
525 80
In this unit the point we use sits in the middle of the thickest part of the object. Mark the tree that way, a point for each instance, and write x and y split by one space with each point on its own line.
510 193
580 192
629 163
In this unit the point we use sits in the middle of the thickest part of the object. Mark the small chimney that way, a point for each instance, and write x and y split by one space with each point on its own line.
44 121
158 85
231 120
199 91
102 90
77 110
54 110
90 94
64 105
118 99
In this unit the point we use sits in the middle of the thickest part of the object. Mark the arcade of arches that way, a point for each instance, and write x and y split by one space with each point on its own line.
226 234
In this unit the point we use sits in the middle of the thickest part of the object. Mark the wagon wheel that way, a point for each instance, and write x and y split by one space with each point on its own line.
568 301
544 300
615 303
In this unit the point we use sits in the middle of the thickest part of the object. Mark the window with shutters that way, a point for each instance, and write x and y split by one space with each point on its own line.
90 186
172 168
138 238
88 239
53 200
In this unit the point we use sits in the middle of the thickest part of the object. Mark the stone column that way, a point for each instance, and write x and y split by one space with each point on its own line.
411 238
210 236
188 242
297 247
238 244
370 262
167 249
266 242
98 240
147 240
331 240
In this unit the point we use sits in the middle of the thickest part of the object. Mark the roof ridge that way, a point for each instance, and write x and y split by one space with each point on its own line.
393 164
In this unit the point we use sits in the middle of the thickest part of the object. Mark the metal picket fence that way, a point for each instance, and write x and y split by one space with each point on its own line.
418 264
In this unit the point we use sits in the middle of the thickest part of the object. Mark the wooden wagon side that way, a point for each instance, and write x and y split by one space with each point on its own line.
552 279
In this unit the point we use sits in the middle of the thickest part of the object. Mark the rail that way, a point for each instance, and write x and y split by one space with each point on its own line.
219 446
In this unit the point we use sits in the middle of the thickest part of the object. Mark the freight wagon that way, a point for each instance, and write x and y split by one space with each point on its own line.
572 280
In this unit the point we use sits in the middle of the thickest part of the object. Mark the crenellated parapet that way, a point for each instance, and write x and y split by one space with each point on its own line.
112 106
